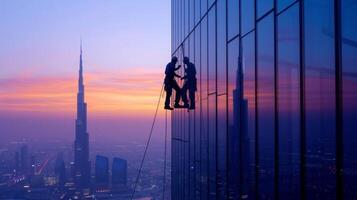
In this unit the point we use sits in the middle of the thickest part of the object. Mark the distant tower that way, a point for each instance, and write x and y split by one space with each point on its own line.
102 170
81 143
119 172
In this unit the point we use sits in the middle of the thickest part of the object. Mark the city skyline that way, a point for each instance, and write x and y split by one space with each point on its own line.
37 79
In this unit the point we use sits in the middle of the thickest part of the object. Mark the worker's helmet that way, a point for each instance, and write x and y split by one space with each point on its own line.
186 59
174 59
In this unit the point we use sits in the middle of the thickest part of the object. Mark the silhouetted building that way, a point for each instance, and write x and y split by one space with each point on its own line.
81 144
119 171
102 170
281 122
60 170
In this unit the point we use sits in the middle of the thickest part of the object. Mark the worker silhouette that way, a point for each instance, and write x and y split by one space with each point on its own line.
190 84
170 83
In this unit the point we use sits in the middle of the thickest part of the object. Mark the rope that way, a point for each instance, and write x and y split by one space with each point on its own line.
164 181
147 144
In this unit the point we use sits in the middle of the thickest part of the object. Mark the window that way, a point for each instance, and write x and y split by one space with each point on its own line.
212 51
289 103
265 86
320 99
247 21
264 6
233 18
248 116
349 60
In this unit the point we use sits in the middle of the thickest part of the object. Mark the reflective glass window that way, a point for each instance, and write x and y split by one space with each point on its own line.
320 99
289 103
233 138
248 7
197 10
212 50
204 149
266 112
282 4
203 7
264 6
233 18
212 145
349 62
222 146
204 58
248 116
221 48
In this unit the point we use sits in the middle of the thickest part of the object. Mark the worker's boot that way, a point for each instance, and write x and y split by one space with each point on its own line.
177 105
168 107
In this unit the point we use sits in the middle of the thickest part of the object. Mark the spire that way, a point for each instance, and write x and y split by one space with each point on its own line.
80 79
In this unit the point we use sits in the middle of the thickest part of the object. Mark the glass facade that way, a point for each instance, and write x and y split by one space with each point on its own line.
276 100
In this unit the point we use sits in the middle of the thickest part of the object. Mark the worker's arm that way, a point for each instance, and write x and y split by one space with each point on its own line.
178 67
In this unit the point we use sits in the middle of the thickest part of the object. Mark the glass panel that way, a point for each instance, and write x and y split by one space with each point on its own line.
204 150
210 2
221 48
212 142
233 18
320 99
197 10
265 67
192 14
247 15
222 147
289 103
186 17
284 3
233 138
212 50
349 52
248 118
264 6
204 59
198 112
203 7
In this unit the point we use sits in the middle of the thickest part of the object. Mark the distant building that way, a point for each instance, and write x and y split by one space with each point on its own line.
81 144
60 170
102 170
119 171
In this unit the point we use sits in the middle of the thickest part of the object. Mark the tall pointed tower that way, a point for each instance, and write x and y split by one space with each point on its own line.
81 144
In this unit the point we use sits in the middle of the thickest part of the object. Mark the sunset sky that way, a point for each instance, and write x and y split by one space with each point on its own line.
126 45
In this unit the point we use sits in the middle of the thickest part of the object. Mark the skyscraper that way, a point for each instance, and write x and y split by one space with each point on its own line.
101 170
81 144
119 172
279 124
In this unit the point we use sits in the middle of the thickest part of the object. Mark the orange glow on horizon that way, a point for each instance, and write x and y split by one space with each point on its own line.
106 94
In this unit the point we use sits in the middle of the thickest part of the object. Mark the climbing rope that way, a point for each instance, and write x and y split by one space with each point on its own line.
147 145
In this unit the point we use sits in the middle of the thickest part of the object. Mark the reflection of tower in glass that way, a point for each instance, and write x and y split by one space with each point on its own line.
81 144
239 141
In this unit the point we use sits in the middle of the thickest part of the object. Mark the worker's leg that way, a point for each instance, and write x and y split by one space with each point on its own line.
178 92
184 94
192 98
168 95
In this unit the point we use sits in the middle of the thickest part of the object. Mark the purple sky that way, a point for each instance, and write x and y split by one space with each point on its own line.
126 45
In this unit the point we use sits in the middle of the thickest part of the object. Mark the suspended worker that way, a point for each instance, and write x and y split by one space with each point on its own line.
190 84
170 83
